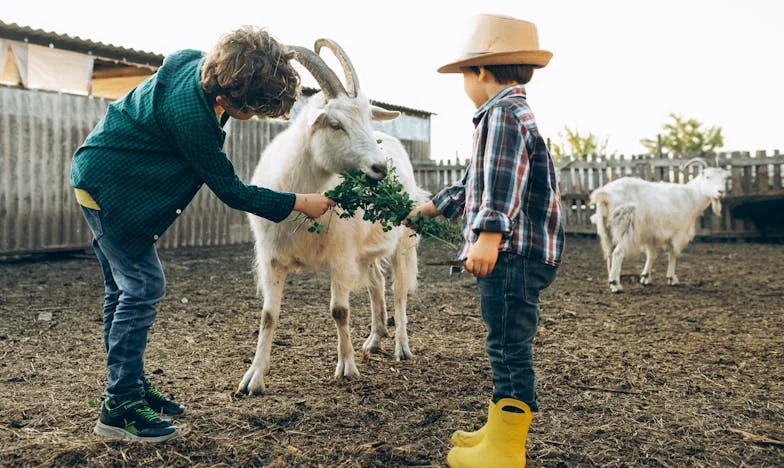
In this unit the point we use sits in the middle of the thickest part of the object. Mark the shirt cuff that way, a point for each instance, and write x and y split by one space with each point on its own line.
492 221
447 204
284 206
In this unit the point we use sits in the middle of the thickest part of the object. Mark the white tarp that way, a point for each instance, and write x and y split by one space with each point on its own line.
3 53
19 52
58 70
39 67
9 74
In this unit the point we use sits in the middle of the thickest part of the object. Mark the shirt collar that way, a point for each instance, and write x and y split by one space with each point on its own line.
514 90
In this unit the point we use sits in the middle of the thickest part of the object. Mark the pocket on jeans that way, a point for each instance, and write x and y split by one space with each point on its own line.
93 218
538 276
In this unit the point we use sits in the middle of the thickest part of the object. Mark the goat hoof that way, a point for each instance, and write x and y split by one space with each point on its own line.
346 370
403 352
373 349
372 344
252 383
672 280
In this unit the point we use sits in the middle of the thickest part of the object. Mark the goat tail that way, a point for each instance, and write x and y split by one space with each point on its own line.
420 195
405 267
623 226
601 219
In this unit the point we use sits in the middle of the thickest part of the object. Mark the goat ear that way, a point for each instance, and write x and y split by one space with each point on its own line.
316 116
378 113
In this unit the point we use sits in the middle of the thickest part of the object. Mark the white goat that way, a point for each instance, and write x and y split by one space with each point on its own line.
333 133
634 215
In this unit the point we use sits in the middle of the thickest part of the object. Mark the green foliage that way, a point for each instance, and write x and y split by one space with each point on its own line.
685 137
384 202
574 144
445 232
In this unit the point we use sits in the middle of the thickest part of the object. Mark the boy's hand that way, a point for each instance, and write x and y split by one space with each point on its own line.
425 210
483 255
312 205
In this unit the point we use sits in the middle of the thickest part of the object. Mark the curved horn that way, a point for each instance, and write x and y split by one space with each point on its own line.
352 82
691 161
326 78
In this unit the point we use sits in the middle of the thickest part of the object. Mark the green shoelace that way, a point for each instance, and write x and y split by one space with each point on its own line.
155 393
147 413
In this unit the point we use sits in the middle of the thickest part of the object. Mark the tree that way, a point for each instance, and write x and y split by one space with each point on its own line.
574 144
685 137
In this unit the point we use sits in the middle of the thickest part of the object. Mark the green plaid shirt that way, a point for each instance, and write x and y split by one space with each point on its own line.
148 156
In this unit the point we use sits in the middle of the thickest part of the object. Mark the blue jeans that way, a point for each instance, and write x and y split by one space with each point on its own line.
132 288
509 299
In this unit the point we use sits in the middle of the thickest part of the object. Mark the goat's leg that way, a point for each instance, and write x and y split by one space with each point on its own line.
607 248
615 268
272 279
672 278
650 257
404 270
339 306
378 309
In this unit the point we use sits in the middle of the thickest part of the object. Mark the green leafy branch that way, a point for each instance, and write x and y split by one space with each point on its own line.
385 202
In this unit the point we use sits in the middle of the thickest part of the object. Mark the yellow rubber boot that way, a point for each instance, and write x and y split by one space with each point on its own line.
470 439
503 444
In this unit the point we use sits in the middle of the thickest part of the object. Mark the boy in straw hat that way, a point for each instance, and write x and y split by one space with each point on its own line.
512 227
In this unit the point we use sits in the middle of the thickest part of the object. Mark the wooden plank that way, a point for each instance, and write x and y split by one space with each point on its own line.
762 179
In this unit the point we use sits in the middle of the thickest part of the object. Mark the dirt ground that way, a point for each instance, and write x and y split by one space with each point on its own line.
657 376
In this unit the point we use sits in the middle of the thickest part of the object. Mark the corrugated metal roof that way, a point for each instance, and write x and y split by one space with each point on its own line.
27 34
308 91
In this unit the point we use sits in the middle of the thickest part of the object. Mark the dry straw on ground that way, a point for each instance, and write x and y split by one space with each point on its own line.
691 375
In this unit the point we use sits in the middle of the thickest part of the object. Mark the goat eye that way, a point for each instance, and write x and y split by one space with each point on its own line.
335 125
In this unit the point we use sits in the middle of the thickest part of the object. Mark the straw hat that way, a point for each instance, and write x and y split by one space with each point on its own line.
500 40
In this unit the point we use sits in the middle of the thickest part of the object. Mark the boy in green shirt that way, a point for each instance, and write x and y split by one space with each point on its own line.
138 170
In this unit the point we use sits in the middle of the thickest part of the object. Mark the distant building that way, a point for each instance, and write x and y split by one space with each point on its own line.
41 60
54 89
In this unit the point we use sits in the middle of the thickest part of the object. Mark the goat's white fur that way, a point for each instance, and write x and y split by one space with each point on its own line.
326 138
634 215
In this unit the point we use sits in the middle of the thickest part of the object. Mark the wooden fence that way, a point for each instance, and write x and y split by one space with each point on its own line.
39 132
754 178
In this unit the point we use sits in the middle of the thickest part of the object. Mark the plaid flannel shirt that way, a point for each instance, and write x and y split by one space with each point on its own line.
510 184
148 156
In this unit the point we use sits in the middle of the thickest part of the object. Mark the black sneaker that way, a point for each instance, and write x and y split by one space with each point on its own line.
159 402
133 420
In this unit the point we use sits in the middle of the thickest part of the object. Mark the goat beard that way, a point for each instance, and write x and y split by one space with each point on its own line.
716 206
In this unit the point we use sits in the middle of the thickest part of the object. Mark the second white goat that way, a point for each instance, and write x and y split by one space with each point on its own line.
634 215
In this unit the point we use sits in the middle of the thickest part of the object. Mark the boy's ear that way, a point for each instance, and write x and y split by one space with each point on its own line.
379 113
484 75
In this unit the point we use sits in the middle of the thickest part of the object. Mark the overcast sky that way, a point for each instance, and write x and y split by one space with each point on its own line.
619 67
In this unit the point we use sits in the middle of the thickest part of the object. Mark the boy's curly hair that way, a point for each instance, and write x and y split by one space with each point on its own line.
252 70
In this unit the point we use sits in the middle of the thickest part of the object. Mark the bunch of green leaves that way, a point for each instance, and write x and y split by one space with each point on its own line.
382 201
385 202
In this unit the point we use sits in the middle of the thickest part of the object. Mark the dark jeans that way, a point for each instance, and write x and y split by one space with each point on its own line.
132 287
509 299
